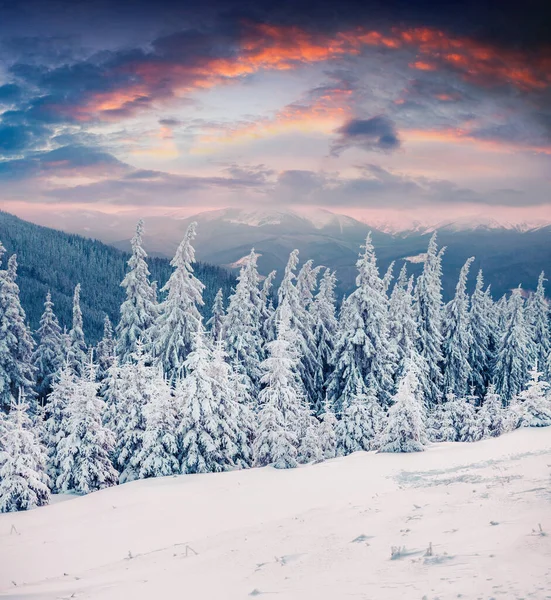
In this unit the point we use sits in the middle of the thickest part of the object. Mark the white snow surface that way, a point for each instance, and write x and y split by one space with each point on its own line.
319 532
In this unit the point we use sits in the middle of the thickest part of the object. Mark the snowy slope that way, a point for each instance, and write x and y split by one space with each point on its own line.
321 532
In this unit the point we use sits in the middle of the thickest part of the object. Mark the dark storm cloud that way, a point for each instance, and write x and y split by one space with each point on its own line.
377 133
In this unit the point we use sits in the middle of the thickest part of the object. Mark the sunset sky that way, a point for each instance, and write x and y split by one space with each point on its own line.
410 110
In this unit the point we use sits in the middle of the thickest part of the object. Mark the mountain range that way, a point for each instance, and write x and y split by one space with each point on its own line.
56 261
508 254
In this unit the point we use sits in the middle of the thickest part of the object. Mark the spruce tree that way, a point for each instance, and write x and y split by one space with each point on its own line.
139 310
302 324
491 416
361 422
515 355
158 456
48 356
200 427
310 449
77 353
179 319
267 327
405 429
327 433
362 342
532 406
241 330
325 325
129 391
56 418
480 327
428 309
83 455
282 400
457 338
23 478
105 350
216 321
16 342
537 313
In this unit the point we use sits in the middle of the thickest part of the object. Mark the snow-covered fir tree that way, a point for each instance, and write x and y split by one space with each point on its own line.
307 281
362 419
327 432
325 324
216 321
405 429
77 353
267 323
480 328
282 399
457 338
105 350
139 310
16 342
537 314
428 310
128 391
158 456
461 413
83 455
201 426
310 449
23 477
48 356
362 342
491 415
56 418
302 324
532 406
515 355
242 326
179 318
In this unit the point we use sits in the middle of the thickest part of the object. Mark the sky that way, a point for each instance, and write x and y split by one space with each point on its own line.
400 110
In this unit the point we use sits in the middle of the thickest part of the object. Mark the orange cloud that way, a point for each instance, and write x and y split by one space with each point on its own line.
280 48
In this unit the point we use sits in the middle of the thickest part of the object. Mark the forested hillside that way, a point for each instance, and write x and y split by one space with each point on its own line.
56 261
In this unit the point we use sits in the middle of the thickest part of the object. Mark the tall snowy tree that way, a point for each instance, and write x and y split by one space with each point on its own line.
139 310
515 355
23 478
83 455
216 321
405 429
302 324
56 418
480 328
48 355
325 324
158 456
267 327
16 342
537 313
282 399
532 406
105 350
327 432
428 308
77 352
362 342
200 424
241 330
491 416
362 420
128 391
179 318
457 338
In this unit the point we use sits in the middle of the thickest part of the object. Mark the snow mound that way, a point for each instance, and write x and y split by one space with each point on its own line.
456 521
